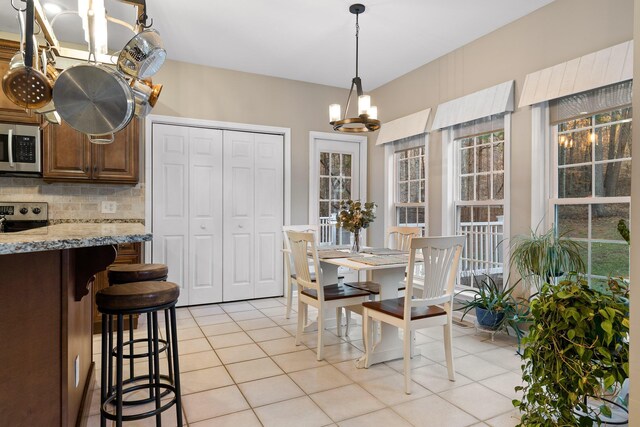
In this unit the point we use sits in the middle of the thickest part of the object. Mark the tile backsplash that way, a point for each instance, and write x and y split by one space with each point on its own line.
76 201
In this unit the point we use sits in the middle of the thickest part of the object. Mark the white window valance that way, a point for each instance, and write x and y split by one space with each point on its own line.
602 68
404 127
487 102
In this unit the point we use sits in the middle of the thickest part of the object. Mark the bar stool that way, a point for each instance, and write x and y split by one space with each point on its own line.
119 274
129 299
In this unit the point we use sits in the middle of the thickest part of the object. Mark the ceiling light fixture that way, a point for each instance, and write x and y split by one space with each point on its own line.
367 120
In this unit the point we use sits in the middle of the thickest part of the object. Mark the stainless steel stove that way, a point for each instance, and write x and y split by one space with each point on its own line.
20 216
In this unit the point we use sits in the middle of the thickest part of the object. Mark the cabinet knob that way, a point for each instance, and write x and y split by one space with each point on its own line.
203 227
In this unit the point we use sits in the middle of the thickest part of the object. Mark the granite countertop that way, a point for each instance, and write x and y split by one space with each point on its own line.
69 236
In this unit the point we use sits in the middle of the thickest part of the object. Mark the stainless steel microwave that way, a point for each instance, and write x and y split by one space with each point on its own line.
20 149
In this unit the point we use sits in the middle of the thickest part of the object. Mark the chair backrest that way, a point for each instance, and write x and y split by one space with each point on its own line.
302 244
441 256
400 237
306 228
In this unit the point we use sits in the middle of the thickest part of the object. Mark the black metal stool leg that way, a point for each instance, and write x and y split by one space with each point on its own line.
131 348
156 366
176 367
104 357
150 353
168 338
119 371
110 367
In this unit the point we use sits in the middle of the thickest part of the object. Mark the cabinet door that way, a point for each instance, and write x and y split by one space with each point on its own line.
118 161
66 154
10 112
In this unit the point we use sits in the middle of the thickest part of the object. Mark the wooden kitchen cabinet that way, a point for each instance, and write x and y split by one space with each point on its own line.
10 112
128 253
68 155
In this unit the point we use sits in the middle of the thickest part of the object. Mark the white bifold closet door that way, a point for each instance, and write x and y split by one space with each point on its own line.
187 209
253 215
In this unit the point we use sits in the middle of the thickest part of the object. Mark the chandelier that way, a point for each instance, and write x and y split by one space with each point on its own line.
367 120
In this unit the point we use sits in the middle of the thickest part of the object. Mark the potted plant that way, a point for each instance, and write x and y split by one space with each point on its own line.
577 348
495 307
354 216
546 256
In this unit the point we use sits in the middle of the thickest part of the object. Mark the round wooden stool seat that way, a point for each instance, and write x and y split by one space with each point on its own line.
136 296
125 273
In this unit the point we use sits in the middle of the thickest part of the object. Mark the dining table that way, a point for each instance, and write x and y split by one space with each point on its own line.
387 268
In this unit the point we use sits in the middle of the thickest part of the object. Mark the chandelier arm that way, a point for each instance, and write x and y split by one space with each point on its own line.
344 115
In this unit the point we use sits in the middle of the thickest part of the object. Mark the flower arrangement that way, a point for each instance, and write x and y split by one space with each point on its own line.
353 217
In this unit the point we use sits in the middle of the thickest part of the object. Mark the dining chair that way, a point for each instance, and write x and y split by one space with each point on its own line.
290 272
400 237
317 293
434 306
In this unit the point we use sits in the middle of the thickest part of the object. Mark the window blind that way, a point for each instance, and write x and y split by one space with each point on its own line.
590 102
478 127
409 143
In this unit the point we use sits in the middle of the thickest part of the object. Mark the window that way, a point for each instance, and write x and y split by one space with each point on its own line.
479 204
410 188
335 186
592 187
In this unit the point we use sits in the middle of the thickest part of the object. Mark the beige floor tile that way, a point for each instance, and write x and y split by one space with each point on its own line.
262 323
356 374
311 339
433 411
267 334
213 403
346 402
183 313
297 361
295 412
280 346
476 368
246 315
505 384
222 328
253 370
279 310
204 379
416 362
510 419
182 324
206 311
238 419
213 320
383 418
94 421
319 379
341 352
435 351
390 389
504 357
201 360
474 343
489 404
229 340
240 353
193 346
283 321
190 334
270 390
436 378
232 307
265 303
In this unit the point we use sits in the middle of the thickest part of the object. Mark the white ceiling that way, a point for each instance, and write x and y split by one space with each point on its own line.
308 40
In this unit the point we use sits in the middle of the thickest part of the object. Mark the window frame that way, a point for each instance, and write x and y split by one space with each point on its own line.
396 187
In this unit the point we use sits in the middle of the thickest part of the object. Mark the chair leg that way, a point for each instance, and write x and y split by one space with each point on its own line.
407 361
366 334
339 320
348 315
320 349
448 351
413 341
301 315
289 297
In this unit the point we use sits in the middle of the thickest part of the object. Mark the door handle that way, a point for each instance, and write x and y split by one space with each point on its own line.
11 165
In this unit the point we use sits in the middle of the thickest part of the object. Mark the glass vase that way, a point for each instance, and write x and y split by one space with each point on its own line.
355 246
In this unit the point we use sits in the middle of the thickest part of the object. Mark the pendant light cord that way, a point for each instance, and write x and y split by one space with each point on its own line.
357 36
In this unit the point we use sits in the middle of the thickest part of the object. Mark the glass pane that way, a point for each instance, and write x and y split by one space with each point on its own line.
403 168
466 142
414 168
480 214
402 216
466 188
483 189
483 158
402 154
422 175
324 163
574 148
324 209
421 221
422 190
465 214
335 207
573 220
613 142
335 189
346 165
324 188
484 139
414 192
610 259
575 124
613 179
466 161
498 136
605 218
613 116
498 157
574 182
498 186
403 193
412 216
496 214
346 188
335 164
414 152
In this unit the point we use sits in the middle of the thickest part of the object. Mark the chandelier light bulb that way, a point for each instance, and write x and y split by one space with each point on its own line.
373 112
334 112
364 103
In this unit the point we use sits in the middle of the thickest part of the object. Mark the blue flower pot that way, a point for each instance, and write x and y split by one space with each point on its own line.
489 319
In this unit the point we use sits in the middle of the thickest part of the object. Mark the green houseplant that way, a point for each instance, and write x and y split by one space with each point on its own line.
576 349
546 256
354 216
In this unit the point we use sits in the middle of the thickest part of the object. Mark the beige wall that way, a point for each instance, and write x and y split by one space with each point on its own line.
216 94
561 31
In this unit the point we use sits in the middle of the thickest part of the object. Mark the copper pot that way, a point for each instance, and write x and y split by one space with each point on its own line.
146 95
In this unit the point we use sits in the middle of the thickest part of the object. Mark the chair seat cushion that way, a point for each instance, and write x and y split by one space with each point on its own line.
125 273
334 292
395 307
136 296
372 287
313 277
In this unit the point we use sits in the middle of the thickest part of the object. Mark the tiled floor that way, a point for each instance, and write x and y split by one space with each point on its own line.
240 367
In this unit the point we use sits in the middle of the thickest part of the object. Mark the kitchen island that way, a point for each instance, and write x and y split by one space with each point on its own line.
46 366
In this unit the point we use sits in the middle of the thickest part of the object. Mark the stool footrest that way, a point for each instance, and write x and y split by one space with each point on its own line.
162 346
132 417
